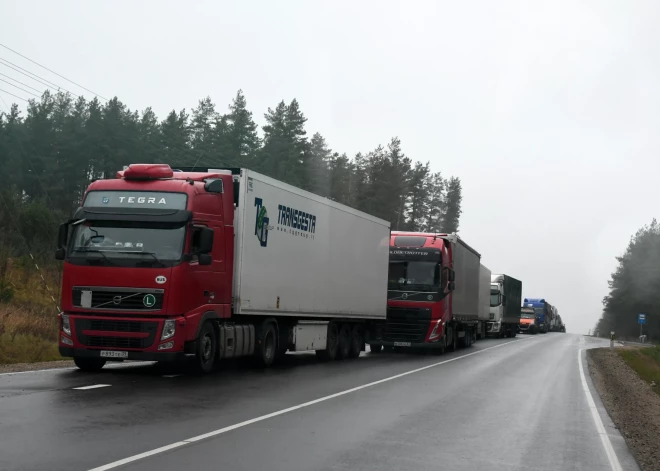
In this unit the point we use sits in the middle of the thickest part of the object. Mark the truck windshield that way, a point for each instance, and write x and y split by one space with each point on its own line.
539 311
414 275
495 296
527 315
114 243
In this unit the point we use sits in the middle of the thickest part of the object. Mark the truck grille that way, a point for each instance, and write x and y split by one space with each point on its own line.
104 326
407 324
116 342
120 299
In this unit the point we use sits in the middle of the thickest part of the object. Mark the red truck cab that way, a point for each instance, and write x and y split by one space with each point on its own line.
147 258
420 282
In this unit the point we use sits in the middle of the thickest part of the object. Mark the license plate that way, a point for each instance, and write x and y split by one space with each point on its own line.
402 344
112 354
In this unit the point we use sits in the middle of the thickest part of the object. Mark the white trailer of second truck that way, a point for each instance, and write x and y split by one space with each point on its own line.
317 267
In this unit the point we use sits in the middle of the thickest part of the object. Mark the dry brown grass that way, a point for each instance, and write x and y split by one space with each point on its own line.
28 322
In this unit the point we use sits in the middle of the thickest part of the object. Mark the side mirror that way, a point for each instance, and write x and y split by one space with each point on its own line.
503 299
205 259
62 239
451 286
452 275
205 241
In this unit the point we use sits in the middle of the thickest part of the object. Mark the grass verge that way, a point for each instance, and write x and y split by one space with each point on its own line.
27 336
646 363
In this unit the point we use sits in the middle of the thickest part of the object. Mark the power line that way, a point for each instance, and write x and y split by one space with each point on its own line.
21 89
53 72
24 84
9 93
29 74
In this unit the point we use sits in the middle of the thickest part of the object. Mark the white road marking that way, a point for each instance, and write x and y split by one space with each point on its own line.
93 386
112 367
604 438
214 433
171 376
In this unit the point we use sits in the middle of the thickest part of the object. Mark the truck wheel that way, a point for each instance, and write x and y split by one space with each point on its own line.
453 340
375 348
207 345
266 349
89 365
330 352
344 347
356 342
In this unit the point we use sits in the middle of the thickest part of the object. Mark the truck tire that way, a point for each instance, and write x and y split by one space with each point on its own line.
344 343
356 341
375 348
89 365
330 352
205 349
265 350
453 341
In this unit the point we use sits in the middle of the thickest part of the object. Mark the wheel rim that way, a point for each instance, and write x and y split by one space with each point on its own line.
269 345
207 348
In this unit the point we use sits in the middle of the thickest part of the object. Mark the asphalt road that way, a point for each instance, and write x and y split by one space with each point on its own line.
509 404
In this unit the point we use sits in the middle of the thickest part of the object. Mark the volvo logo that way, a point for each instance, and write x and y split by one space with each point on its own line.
116 300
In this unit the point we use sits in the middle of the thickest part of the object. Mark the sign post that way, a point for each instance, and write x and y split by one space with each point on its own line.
641 320
612 340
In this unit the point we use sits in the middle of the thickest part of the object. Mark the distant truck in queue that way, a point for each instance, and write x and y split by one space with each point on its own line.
528 323
543 311
505 299
165 265
434 298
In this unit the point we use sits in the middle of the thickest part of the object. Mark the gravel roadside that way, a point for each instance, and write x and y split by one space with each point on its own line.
631 403
44 365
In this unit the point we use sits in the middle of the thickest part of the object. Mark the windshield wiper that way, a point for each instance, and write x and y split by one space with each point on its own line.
145 253
102 252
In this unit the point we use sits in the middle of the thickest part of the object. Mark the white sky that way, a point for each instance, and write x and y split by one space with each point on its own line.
546 110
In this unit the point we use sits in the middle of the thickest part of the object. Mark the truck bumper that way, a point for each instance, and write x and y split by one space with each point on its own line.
140 356
493 329
411 345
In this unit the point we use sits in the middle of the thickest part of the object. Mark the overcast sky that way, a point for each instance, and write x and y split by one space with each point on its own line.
548 111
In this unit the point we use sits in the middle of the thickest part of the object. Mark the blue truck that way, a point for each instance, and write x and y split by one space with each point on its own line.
544 313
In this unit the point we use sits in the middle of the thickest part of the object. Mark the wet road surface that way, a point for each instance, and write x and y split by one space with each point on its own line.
503 404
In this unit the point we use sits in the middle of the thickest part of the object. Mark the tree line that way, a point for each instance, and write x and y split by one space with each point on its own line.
634 288
50 155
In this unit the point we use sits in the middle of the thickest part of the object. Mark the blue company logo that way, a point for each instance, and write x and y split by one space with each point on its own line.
261 222
105 200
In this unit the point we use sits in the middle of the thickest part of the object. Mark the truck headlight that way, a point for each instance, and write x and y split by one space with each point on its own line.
66 324
169 329
434 332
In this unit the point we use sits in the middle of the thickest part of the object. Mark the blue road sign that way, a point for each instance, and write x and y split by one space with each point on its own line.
641 318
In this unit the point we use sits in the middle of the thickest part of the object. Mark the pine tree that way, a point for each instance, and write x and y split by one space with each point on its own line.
316 166
452 205
436 203
417 205
241 132
175 140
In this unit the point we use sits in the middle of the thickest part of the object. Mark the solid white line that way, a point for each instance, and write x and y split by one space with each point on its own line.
93 386
214 433
171 376
604 438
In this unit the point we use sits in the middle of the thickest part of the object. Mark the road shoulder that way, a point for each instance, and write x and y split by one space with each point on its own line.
633 407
